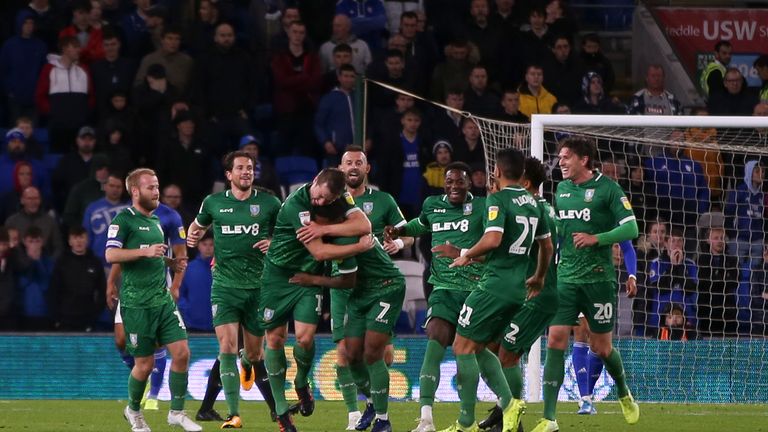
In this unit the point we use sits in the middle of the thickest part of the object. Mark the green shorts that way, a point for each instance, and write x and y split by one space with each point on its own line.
484 316
339 300
233 305
445 304
597 301
375 313
525 328
146 329
280 300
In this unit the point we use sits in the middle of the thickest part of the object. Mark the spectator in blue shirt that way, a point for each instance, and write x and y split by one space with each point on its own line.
745 208
100 213
33 278
334 121
369 20
15 152
195 292
21 59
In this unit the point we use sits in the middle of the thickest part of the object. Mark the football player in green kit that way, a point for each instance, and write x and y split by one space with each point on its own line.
594 214
242 220
455 220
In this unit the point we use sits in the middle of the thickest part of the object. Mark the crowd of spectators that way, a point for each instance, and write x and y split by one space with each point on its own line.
94 88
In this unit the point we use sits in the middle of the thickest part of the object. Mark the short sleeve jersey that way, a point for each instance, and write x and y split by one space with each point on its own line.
375 270
381 209
237 226
549 291
144 283
460 225
595 206
286 251
518 216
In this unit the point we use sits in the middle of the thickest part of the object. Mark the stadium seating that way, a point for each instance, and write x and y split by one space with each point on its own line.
293 171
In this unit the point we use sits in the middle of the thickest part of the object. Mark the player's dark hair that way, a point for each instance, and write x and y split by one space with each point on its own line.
66 41
454 91
394 53
722 43
346 68
172 29
342 47
590 37
412 111
33 232
534 66
229 159
534 171
408 14
459 166
333 178
82 6
582 147
677 232
77 230
511 163
334 212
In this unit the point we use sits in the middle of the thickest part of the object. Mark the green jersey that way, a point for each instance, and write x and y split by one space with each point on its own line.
595 206
286 251
381 209
517 215
460 225
144 284
237 226
550 283
375 269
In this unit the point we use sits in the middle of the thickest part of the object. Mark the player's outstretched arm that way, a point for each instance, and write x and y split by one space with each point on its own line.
326 252
120 255
356 224
344 281
195 233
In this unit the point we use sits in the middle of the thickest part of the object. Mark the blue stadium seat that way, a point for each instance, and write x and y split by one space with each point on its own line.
295 169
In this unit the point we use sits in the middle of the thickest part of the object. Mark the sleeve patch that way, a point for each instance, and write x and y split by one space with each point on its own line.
182 233
113 230
626 203
304 217
493 212
348 198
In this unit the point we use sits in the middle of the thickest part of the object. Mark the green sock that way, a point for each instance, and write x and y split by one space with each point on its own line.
361 377
244 359
491 369
467 378
379 386
429 377
276 366
230 381
514 376
303 360
347 387
615 368
554 370
177 383
135 392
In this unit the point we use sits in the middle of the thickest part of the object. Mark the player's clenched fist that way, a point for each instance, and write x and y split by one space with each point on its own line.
156 250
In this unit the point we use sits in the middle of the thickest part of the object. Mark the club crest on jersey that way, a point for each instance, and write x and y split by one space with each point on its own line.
255 209
134 338
268 314
368 207
588 195
493 213
304 217
467 209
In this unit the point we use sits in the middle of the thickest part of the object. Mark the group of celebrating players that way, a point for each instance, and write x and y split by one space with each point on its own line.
497 285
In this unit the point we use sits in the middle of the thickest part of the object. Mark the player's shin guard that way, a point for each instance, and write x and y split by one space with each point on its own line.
467 378
213 388
262 382
553 379
135 392
362 378
379 386
580 367
158 373
347 387
595 367
276 365
490 367
230 381
514 376
429 377
177 382
615 368
304 358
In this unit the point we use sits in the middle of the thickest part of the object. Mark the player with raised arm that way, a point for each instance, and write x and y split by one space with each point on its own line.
594 214
297 247
377 292
135 240
242 220
455 219
382 210
514 222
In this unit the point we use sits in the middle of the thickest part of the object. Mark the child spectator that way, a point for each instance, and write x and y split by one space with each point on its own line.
674 328
33 277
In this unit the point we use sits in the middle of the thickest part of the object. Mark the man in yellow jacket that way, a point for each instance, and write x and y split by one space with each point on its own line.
534 98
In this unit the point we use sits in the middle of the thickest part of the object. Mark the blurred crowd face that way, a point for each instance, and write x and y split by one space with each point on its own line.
403 102
654 78
296 34
78 243
455 100
31 200
733 82
341 27
443 156
171 43
479 11
113 188
411 123
471 131
71 52
33 246
205 247
562 49
534 77
657 235
724 54
24 176
409 26
86 144
395 66
675 319
172 196
478 79
716 240
225 36
290 15
511 102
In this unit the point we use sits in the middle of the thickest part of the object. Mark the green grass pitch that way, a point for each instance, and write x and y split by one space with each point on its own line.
106 416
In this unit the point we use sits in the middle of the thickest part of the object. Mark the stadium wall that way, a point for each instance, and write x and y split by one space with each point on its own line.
88 367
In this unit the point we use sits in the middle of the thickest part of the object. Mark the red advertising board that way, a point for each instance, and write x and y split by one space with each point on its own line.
693 33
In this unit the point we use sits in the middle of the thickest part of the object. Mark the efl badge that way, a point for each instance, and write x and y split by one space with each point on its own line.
368 207
182 233
349 199
255 209
304 217
113 230
268 314
214 308
467 209
493 212
588 195
626 203
134 339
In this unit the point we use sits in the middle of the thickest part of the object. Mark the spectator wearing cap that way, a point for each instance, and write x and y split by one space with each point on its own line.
85 192
73 167
153 100
264 175
21 59
593 59
226 86
90 37
594 99
32 213
510 103
341 34
16 153
113 73
64 94
761 66
334 121
434 173
178 65
185 160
